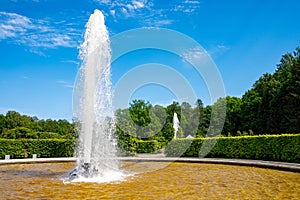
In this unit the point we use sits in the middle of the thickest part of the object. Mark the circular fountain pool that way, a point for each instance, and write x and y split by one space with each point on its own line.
176 181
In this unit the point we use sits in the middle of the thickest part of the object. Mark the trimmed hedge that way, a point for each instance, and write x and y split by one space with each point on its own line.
149 146
265 147
25 148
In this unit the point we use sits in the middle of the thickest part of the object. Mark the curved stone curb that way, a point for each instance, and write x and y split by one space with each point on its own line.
285 166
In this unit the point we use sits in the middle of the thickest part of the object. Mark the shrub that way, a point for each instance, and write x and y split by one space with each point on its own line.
43 148
178 147
267 147
48 135
149 146
126 143
19 132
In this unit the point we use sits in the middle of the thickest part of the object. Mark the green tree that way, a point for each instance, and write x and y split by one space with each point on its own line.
251 101
204 121
160 113
20 133
218 115
233 121
150 131
65 128
13 119
139 112
272 105
168 132
124 122
286 104
51 126
171 109
189 119
201 124
147 124
267 88
3 124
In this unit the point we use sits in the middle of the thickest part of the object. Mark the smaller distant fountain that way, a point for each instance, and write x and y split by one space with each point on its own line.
175 124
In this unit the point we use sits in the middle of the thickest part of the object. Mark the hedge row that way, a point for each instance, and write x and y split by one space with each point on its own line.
25 148
266 147
149 146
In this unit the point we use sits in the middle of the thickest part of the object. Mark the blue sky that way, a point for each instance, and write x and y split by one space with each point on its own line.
39 42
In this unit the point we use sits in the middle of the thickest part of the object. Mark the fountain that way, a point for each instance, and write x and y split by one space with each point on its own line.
97 161
175 124
92 104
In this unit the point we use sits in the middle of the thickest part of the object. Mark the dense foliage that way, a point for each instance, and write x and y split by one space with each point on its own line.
267 147
13 125
273 104
150 146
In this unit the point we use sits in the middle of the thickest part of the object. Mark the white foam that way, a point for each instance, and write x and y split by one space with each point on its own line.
108 176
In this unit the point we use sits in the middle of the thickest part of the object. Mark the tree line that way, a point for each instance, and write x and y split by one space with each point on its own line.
271 106
13 125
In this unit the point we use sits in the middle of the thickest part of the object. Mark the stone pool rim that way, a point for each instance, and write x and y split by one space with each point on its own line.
284 166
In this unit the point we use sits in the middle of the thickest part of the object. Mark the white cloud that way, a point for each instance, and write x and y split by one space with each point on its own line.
148 13
23 0
138 4
113 13
71 61
104 1
218 50
200 55
187 6
13 24
124 11
65 83
191 2
128 8
193 54
36 32
157 23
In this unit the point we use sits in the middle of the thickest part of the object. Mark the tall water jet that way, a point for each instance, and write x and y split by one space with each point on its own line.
175 124
92 103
